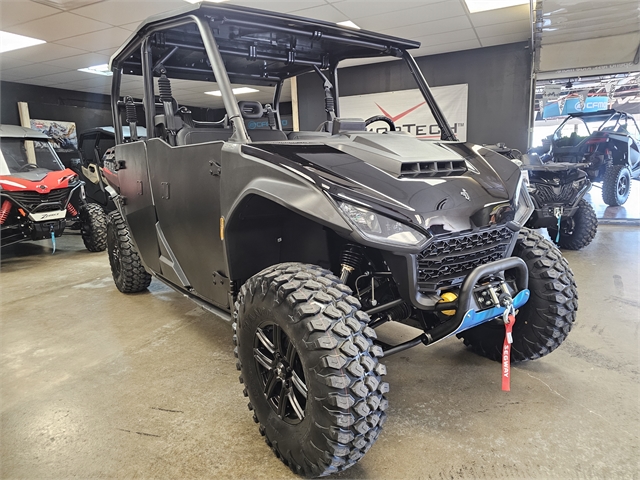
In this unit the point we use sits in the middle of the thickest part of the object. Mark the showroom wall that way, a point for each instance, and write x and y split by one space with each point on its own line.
88 110
498 79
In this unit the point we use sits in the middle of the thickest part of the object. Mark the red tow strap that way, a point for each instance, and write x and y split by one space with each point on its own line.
506 354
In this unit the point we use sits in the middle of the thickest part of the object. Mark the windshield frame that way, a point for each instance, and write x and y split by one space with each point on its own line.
4 167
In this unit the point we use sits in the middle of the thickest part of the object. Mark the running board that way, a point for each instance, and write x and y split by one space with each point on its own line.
224 314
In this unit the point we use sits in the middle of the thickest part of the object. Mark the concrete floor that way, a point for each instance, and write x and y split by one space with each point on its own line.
95 383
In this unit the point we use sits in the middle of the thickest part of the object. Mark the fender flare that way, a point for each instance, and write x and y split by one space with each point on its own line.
301 199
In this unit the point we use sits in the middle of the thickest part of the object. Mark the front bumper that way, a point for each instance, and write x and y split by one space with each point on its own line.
547 205
470 311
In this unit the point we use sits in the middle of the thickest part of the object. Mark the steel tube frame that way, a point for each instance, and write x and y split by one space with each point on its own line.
215 59
446 132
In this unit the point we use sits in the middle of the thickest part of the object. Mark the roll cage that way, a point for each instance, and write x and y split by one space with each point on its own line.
229 44
615 121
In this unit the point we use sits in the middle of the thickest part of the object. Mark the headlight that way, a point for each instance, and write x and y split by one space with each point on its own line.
524 205
379 228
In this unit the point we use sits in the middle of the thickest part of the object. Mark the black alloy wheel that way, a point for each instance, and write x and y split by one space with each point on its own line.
623 185
309 368
279 367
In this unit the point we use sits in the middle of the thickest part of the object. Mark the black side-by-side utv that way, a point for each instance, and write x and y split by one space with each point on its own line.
608 143
557 190
309 241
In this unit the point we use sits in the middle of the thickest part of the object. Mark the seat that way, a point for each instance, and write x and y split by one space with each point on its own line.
253 111
191 135
267 135
308 135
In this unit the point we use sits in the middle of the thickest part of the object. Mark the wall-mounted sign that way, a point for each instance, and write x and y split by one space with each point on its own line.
576 104
410 112
63 134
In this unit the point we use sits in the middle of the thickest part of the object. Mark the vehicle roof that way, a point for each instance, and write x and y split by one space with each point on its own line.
595 114
16 131
257 46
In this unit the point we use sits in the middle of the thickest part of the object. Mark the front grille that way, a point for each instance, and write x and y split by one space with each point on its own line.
545 194
437 168
31 200
448 259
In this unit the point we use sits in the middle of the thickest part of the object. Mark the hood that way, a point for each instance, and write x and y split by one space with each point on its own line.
440 186
40 180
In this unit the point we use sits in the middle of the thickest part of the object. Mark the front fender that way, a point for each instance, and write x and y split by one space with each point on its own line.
243 175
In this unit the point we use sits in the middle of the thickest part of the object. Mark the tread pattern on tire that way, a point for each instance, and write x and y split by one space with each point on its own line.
546 319
133 277
610 185
93 227
342 361
586 226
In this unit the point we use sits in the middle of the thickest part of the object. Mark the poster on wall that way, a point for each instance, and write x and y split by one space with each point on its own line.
63 134
410 112
576 103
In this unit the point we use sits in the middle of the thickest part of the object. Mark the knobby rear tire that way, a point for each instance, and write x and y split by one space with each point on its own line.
611 185
126 267
93 227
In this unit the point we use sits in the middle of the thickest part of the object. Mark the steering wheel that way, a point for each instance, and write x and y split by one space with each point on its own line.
380 118
27 167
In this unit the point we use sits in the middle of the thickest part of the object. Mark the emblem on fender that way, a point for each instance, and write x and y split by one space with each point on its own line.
465 195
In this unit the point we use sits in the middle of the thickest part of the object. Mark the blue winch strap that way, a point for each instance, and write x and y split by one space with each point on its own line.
558 234
53 242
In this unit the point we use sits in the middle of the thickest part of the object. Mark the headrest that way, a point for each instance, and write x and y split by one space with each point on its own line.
251 109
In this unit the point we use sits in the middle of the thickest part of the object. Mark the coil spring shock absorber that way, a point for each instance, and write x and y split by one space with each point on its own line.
4 211
72 210
164 87
349 259
132 118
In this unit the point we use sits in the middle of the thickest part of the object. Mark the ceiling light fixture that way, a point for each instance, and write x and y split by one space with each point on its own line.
475 6
348 23
11 41
98 70
205 1
236 91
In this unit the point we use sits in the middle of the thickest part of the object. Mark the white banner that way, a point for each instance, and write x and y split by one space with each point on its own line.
551 93
410 112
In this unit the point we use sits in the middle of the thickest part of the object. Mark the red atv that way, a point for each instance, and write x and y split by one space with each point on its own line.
38 195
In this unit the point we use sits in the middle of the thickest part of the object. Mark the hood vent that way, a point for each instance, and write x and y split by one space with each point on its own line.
435 168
